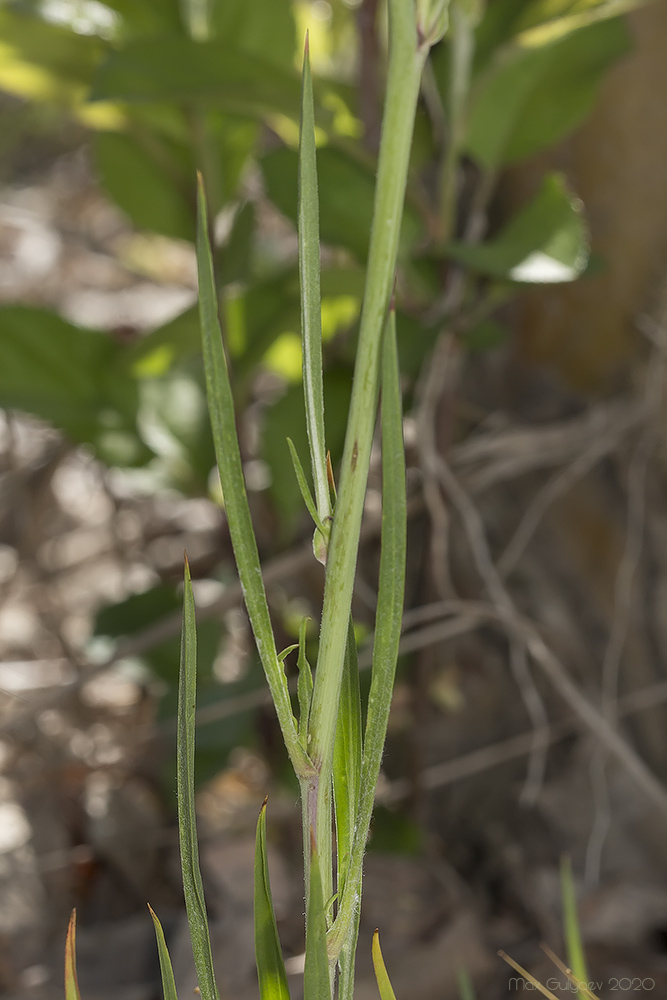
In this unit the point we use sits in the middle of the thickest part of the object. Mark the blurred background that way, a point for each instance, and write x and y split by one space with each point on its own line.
532 302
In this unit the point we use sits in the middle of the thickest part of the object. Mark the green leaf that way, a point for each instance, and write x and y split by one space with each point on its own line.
347 759
176 68
545 243
388 618
144 177
268 953
346 189
263 28
309 274
193 888
531 97
221 411
45 61
71 980
316 983
302 483
166 971
381 976
466 988
304 686
73 377
572 933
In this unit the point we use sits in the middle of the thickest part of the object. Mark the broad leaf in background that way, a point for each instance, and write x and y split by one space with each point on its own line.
529 98
46 61
346 189
545 243
268 953
175 68
143 175
263 28
73 377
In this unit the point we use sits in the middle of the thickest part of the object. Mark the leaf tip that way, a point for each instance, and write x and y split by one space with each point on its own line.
306 46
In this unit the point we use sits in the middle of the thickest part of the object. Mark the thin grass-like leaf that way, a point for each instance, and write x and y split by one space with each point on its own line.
579 984
309 273
303 484
305 685
381 975
527 976
223 426
71 980
347 759
316 981
268 953
166 971
193 889
572 933
466 988
388 621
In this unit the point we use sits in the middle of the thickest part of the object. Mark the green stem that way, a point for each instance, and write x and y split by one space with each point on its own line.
406 61
462 47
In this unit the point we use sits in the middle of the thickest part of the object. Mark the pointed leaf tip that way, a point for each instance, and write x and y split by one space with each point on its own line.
381 976
71 980
306 46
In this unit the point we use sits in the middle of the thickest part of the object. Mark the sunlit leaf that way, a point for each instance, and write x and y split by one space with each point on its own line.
270 965
545 243
381 975
571 929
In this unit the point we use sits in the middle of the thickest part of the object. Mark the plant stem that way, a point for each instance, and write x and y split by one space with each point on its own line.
462 47
406 61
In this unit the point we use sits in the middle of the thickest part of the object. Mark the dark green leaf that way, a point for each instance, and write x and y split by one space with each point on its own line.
546 242
193 889
72 377
529 98
484 336
143 176
346 197
166 971
268 953
175 68
263 28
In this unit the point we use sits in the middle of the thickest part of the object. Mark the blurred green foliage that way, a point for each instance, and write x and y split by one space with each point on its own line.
165 87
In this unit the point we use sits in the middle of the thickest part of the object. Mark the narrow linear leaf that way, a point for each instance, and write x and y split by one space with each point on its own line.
527 976
166 971
193 889
268 953
388 617
347 759
381 975
466 989
71 980
580 985
304 686
223 425
309 274
303 485
316 983
572 932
